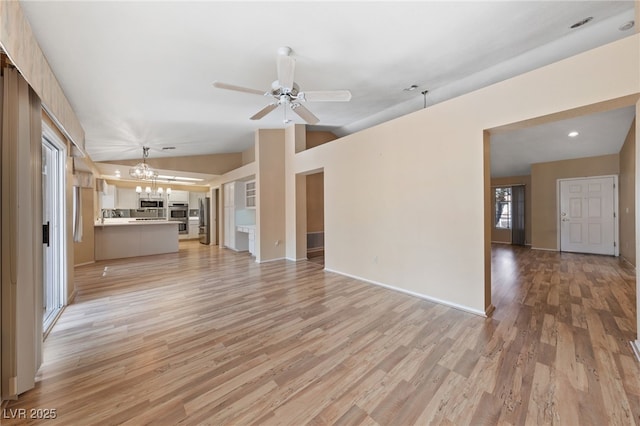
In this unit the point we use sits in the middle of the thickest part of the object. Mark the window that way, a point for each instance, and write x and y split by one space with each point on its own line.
503 207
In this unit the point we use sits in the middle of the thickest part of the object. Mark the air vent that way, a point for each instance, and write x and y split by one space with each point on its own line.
167 148
581 23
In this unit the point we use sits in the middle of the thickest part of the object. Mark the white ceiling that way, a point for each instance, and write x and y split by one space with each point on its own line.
602 133
141 73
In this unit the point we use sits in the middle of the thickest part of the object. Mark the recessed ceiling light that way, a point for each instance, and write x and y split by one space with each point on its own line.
573 134
627 26
582 22
410 88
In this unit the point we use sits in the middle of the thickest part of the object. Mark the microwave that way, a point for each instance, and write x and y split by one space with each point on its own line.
151 203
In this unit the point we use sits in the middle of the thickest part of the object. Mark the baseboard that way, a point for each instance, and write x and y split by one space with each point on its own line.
271 260
489 311
412 293
72 297
627 261
290 259
85 263
635 345
501 242
315 252
543 249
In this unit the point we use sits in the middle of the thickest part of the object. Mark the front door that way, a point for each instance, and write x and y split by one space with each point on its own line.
588 215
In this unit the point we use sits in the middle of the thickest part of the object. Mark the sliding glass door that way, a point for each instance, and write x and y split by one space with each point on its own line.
53 230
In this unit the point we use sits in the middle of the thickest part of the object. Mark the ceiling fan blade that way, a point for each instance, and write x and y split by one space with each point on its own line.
286 67
326 96
264 111
304 113
226 86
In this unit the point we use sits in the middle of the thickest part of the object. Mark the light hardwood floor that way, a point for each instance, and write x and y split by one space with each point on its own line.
207 336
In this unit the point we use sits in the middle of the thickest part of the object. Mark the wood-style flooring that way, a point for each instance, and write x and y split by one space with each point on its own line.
207 336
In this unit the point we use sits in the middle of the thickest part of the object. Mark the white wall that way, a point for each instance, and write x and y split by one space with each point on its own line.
404 201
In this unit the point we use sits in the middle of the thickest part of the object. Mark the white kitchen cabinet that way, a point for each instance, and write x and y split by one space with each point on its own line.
248 235
229 215
252 241
250 194
230 194
234 200
178 196
127 198
108 197
194 229
229 228
194 199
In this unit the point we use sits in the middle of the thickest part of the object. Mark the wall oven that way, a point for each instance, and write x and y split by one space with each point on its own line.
176 214
180 213
183 227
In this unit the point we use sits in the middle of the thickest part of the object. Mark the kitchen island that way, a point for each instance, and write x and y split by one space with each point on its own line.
119 238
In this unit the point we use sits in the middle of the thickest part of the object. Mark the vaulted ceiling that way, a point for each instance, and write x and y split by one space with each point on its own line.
140 73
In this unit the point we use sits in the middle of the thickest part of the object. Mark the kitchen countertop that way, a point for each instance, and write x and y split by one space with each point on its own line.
133 222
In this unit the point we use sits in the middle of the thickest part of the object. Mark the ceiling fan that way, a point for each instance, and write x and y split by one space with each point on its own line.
287 92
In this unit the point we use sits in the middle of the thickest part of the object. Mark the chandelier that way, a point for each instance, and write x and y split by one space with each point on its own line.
142 170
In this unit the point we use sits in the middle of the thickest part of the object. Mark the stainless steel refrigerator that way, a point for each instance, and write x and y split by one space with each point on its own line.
205 219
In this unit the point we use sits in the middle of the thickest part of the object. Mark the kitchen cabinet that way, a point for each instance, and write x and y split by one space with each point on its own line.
121 238
194 229
194 199
233 195
250 194
127 198
234 200
229 215
250 230
108 197
178 196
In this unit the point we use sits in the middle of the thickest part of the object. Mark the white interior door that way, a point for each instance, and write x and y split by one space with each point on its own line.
588 221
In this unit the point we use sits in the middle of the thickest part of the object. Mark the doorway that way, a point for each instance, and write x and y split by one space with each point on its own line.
53 235
315 217
588 215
